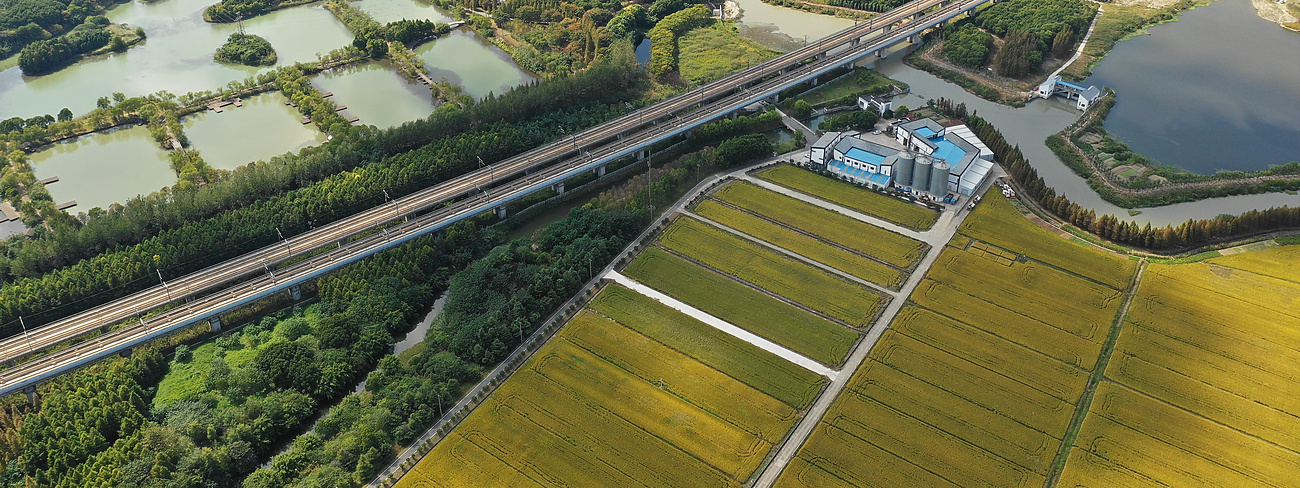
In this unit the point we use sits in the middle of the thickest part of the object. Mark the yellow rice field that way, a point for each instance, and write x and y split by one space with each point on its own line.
854 234
606 405
802 244
844 194
1202 387
819 290
995 221
760 369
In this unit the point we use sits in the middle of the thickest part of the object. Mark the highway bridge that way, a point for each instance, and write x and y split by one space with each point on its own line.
205 294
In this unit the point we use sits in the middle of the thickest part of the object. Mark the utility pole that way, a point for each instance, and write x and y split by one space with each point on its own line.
164 283
286 244
28 338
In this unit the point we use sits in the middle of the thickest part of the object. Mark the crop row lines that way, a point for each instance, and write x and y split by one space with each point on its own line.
765 291
905 270
998 335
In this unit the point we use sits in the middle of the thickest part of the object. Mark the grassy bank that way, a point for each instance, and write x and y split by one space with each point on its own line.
709 53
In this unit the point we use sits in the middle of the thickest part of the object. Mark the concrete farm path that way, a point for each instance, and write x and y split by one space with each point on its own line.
724 326
938 236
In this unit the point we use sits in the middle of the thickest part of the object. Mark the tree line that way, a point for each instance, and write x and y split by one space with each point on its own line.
23 22
665 34
1190 234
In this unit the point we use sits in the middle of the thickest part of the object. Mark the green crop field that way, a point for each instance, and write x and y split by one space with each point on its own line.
847 195
814 288
659 401
1203 385
802 244
745 307
865 238
995 221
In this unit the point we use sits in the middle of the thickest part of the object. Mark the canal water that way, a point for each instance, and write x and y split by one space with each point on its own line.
177 56
104 168
377 94
262 128
477 65
1217 90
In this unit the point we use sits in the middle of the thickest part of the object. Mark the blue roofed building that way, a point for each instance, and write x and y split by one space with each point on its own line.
1083 97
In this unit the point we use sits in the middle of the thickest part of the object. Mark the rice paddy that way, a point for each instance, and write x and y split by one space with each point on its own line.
885 207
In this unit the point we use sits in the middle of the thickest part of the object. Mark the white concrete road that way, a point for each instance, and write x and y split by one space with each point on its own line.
723 325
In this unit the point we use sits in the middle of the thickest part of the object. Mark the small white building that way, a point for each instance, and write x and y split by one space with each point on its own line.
1083 97
870 102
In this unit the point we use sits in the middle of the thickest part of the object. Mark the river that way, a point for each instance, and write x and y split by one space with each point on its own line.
1217 90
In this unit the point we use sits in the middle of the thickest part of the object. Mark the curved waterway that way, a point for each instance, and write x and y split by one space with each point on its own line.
1028 127
177 56
262 128
104 168
1217 90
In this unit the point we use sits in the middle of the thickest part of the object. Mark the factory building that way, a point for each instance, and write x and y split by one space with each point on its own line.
963 159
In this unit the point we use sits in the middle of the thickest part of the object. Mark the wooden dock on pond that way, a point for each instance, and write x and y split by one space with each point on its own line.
52 179
68 205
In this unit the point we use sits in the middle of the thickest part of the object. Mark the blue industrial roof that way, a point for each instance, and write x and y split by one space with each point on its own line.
925 132
947 151
864 156
1071 85
879 179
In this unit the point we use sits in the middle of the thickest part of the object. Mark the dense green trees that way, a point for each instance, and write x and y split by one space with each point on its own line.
1019 56
741 150
968 46
25 21
246 49
868 5
720 129
857 120
47 55
1033 29
631 22
413 32
664 35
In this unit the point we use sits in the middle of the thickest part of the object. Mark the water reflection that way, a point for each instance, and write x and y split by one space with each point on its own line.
1218 89
177 57
377 94
385 11
782 28
476 65
105 168
262 128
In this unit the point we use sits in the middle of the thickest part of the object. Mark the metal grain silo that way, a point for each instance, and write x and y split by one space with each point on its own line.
939 178
921 173
903 168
